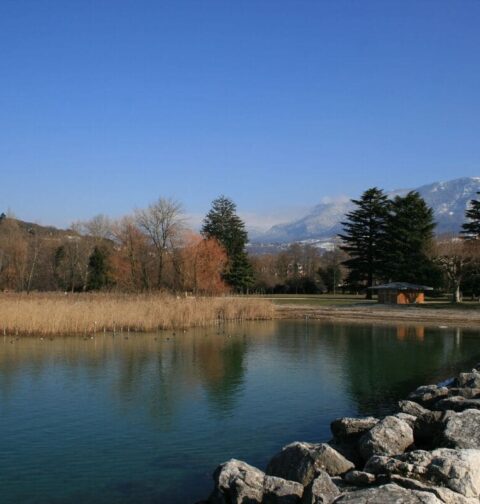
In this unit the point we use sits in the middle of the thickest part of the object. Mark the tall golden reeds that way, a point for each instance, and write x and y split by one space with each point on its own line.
55 313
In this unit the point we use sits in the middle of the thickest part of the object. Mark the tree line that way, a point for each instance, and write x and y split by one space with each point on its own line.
300 269
383 240
393 240
151 249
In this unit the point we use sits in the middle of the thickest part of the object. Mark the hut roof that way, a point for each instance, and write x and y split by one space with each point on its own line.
402 286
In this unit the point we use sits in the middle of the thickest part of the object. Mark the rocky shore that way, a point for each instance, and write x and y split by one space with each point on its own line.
428 452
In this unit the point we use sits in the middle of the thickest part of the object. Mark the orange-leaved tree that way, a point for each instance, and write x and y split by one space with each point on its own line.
204 261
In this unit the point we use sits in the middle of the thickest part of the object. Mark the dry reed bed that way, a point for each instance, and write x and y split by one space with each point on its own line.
54 314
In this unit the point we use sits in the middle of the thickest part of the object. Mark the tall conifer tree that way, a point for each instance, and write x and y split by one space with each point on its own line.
223 224
471 228
363 236
98 270
409 238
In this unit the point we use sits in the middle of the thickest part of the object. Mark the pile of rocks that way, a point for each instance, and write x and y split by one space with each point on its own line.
427 452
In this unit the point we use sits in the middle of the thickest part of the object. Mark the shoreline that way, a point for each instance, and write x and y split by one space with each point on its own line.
381 314
48 314
426 452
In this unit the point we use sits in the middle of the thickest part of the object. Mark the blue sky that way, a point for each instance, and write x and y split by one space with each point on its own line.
105 105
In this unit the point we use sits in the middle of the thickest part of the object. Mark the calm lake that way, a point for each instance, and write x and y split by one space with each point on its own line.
147 418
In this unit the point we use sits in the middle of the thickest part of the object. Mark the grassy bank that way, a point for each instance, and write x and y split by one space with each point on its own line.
434 314
315 299
346 300
53 313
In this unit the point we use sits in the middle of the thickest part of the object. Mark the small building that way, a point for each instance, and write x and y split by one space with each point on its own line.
401 293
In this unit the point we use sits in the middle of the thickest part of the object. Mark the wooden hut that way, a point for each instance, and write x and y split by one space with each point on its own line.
401 293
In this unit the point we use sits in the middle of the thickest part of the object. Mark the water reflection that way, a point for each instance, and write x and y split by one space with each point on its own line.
162 370
416 332
132 417
384 362
157 370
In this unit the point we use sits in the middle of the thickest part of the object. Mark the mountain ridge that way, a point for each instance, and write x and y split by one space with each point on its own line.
449 200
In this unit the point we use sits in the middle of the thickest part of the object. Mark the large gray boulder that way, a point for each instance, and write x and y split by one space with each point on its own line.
237 482
444 494
406 417
302 462
467 392
280 491
412 408
426 395
389 494
390 436
321 490
458 470
349 451
346 430
457 403
468 379
410 465
462 430
359 478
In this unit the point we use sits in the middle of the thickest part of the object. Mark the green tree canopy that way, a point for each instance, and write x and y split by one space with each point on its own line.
223 224
363 236
409 239
98 270
471 228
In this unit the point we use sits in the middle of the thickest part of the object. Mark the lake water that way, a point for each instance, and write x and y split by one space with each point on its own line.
148 418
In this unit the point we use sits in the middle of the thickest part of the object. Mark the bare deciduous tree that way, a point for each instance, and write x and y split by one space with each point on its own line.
454 255
32 258
94 232
132 248
162 222
13 254
99 227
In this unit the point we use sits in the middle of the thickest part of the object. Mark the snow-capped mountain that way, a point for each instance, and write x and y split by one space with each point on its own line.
322 222
449 201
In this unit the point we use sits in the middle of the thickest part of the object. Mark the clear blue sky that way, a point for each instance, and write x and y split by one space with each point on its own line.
106 105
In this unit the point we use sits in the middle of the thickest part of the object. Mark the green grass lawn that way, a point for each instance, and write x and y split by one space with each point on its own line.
320 300
445 304
316 299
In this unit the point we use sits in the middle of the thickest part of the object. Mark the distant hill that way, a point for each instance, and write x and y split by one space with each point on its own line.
448 200
39 230
45 233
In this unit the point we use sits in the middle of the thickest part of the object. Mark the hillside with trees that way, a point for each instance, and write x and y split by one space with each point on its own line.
150 249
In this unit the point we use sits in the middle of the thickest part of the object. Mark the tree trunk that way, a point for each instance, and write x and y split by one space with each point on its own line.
457 295
32 270
160 269
369 284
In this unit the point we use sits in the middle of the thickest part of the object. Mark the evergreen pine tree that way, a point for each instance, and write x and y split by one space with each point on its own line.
471 228
223 224
239 273
363 235
409 238
97 270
